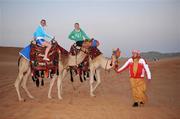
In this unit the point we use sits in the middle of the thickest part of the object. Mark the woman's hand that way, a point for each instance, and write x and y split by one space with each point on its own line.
53 38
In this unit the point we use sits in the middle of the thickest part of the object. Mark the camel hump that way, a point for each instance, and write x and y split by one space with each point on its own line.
19 60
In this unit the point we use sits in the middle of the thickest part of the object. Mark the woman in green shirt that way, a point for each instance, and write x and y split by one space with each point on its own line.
78 35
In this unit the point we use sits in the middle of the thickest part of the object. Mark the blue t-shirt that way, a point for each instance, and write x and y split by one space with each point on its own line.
40 32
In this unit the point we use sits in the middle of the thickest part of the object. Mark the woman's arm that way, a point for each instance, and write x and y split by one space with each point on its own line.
71 36
48 35
84 35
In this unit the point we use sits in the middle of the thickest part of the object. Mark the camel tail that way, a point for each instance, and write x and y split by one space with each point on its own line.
19 60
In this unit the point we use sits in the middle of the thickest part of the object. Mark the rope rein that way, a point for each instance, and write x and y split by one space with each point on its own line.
106 64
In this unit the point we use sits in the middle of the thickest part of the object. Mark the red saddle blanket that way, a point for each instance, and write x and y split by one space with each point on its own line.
40 67
93 52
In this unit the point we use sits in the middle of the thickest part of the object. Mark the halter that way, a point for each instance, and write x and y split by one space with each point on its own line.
117 54
110 63
106 65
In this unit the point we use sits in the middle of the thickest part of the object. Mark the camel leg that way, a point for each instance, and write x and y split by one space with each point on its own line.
63 76
24 83
17 85
51 85
92 72
98 79
59 81
23 67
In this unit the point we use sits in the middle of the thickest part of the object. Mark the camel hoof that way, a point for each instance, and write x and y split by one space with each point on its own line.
32 97
49 97
60 98
92 95
22 100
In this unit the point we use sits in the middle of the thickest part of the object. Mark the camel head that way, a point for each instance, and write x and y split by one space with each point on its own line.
115 58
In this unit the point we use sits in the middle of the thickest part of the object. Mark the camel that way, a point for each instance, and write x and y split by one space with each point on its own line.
95 66
24 72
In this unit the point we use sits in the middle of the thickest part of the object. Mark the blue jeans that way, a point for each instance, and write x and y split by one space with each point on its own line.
40 42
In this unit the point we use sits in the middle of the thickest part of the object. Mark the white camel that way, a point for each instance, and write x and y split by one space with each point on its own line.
95 66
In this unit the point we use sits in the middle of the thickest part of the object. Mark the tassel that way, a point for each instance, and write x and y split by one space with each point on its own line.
37 82
71 74
88 74
84 74
42 82
95 78
34 79
80 78
42 74
51 73
57 72
47 73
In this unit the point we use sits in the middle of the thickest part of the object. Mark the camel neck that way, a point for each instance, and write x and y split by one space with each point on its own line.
105 63
76 59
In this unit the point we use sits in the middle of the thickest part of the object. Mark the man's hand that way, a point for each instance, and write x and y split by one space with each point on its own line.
116 69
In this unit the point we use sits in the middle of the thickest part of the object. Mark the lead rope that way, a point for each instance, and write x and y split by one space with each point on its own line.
106 68
106 65
76 57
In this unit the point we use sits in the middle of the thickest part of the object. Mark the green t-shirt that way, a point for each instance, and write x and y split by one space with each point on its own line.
78 35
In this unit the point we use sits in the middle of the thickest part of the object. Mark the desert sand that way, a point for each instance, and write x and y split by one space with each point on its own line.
113 97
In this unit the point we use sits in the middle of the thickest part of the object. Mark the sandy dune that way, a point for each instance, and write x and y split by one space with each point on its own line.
113 97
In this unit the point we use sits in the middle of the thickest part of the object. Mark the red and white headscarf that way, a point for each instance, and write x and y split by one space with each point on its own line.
136 51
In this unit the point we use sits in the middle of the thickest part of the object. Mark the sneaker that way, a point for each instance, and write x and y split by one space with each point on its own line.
45 58
135 104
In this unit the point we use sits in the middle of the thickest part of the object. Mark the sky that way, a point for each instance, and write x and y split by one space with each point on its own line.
147 25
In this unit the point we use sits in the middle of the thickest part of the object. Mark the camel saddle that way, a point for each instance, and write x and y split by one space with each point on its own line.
93 51
40 67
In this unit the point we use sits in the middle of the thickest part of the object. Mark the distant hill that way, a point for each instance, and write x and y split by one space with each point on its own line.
153 55
157 55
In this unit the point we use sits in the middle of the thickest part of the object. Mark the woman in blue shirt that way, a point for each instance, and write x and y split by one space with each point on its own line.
39 36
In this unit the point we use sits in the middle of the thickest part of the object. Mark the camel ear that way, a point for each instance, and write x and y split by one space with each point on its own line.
118 52
114 51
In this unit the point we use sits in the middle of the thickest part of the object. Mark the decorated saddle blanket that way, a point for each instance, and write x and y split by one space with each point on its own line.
92 53
40 67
